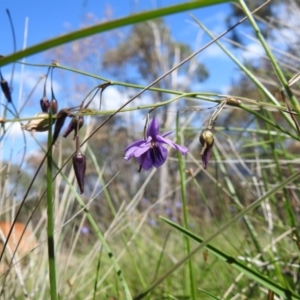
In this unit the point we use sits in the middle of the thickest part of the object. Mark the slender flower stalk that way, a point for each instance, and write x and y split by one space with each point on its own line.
150 151
53 103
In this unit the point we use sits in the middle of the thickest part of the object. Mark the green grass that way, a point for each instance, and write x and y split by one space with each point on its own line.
179 232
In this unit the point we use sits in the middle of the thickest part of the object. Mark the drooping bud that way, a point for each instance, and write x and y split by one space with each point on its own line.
60 120
5 89
207 141
45 104
75 124
39 125
79 165
54 106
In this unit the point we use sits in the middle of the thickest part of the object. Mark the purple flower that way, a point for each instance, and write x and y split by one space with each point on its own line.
150 152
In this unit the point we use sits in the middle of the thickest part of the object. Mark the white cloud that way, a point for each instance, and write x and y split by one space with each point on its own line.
27 81
253 51
112 99
213 51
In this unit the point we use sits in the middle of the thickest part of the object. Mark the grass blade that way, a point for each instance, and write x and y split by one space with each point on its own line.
259 278
132 19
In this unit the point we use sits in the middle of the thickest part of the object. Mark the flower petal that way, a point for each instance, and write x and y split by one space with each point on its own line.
137 148
153 129
142 149
160 155
136 143
166 133
145 161
156 156
183 150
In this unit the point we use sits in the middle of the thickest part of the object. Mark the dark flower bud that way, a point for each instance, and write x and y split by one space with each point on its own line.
79 165
45 104
54 106
75 124
207 141
5 89
60 120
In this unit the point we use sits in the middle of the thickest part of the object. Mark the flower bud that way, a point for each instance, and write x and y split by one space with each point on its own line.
54 106
207 141
5 89
79 165
60 120
45 104
75 124
39 125
206 138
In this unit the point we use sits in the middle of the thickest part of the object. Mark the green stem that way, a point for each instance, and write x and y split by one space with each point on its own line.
50 220
273 60
250 75
237 217
189 278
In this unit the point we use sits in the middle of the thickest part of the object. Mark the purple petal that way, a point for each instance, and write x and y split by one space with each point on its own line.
136 143
160 154
166 133
145 161
137 148
183 150
153 129
142 149
156 156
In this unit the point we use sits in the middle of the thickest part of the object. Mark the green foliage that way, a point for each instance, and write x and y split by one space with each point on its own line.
109 242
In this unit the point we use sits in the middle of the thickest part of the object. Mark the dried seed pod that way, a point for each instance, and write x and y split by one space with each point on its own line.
75 124
39 125
207 141
45 104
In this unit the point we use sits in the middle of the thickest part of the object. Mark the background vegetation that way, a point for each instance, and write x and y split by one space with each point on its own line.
230 231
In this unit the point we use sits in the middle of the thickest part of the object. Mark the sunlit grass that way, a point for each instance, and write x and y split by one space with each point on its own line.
229 231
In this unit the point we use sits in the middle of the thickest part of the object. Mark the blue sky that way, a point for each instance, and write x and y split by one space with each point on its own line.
47 19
